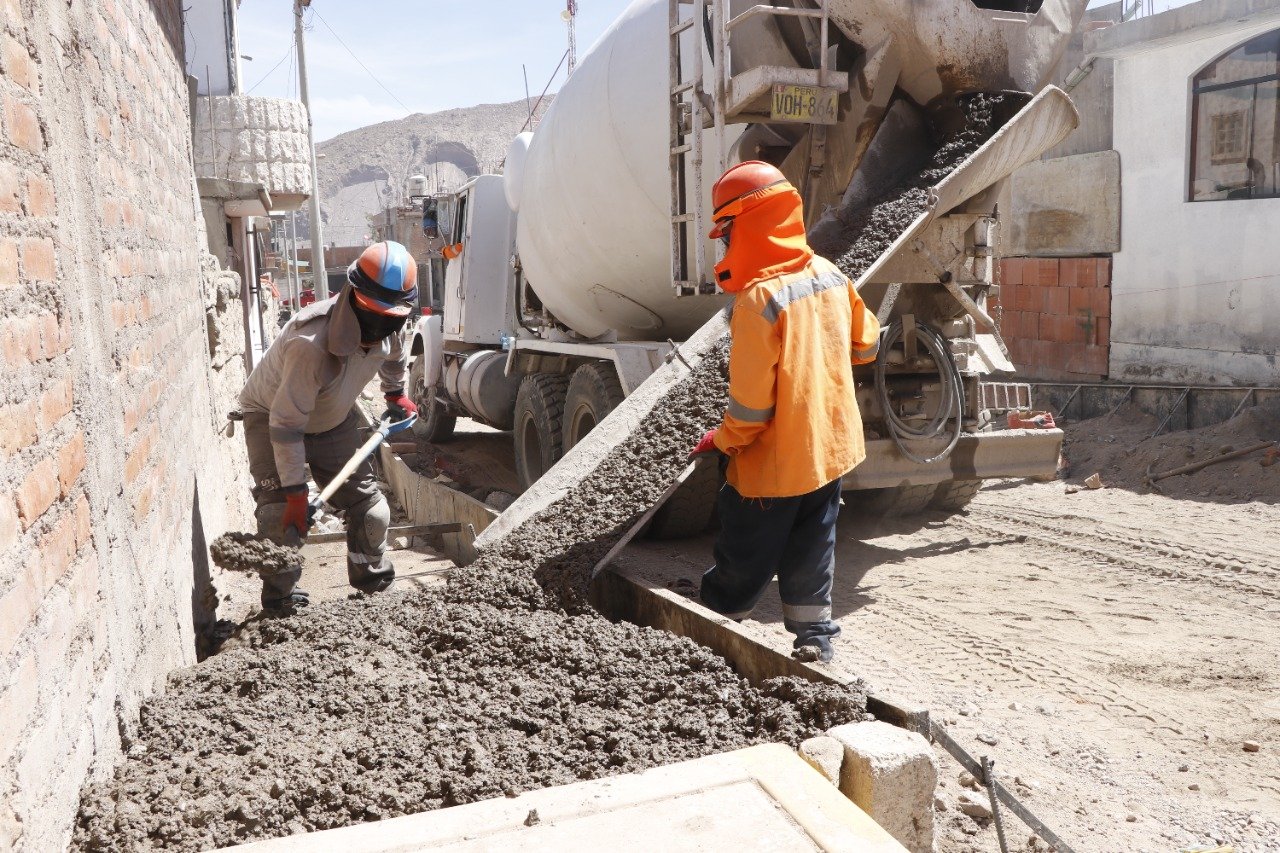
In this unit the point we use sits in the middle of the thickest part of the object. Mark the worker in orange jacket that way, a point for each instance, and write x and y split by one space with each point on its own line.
792 428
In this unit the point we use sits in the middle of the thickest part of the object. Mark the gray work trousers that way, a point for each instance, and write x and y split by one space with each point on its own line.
368 515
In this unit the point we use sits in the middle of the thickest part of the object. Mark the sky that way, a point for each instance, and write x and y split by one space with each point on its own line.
407 56
430 55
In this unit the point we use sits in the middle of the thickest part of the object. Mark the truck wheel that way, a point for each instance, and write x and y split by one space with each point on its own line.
594 392
434 422
894 502
539 411
689 511
956 495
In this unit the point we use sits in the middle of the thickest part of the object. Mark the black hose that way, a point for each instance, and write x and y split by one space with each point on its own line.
950 406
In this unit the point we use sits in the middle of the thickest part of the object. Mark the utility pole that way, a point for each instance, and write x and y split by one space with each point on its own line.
321 277
571 17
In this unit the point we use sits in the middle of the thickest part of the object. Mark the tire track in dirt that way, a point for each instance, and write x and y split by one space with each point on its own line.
1234 554
944 647
1158 559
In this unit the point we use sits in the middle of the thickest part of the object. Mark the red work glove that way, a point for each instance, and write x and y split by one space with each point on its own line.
297 514
399 406
707 445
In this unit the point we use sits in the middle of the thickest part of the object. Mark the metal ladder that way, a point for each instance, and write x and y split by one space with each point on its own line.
696 107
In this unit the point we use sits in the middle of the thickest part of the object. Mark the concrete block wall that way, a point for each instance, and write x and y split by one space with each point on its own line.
111 478
1055 316
253 139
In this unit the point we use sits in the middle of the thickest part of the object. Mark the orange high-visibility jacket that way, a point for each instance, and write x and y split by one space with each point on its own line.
793 423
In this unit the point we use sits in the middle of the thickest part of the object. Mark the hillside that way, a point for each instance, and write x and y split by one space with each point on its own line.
361 170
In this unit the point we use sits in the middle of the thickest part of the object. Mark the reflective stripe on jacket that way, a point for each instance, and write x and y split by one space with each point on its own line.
793 424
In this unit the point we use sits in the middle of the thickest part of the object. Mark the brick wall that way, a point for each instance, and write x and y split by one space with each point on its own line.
107 430
1055 315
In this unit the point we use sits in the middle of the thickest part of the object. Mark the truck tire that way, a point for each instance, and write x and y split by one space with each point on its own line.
594 392
434 422
537 432
689 511
956 495
894 502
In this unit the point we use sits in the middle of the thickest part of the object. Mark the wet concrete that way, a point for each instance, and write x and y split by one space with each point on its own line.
247 552
865 232
502 682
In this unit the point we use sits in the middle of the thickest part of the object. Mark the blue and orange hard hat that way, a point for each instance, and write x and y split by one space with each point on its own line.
385 278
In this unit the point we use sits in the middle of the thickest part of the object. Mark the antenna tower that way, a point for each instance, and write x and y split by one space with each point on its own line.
571 17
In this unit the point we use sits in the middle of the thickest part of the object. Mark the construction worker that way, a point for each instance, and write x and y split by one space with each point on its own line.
298 410
792 428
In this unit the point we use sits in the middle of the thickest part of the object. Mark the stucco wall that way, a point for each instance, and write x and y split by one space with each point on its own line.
111 472
1195 286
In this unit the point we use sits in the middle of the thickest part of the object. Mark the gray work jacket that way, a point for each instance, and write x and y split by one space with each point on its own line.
312 374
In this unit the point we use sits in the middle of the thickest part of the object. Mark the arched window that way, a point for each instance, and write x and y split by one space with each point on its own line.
1235 123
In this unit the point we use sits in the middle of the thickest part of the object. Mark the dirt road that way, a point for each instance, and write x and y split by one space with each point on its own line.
1119 649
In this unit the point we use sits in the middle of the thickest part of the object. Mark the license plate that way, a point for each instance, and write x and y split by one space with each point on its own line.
809 104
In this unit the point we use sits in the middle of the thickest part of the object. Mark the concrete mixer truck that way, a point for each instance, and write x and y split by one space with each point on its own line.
577 272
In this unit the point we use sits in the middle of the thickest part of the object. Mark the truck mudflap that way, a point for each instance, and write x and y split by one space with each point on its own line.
977 456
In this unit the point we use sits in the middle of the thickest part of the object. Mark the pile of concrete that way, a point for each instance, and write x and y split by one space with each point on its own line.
501 682
504 681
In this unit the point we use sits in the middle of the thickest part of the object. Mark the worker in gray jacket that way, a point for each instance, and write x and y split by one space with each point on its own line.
298 410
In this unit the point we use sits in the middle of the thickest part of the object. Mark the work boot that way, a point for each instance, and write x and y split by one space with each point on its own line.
369 578
814 649
281 595
287 604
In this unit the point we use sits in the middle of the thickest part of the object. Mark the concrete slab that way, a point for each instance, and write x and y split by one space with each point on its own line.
761 798
890 773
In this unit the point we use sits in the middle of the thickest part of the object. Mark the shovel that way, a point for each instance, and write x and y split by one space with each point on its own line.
386 427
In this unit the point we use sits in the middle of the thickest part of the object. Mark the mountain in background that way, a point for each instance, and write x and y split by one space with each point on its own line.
363 171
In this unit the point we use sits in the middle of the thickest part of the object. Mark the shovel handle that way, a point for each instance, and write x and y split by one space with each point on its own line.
385 428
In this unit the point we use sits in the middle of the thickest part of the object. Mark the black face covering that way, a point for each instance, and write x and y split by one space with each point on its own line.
376 327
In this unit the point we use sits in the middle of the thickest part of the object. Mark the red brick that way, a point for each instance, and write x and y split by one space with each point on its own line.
10 16
55 553
1011 271
1104 271
1047 272
38 492
8 264
10 189
1068 275
1091 361
18 65
18 428
37 259
39 196
55 403
1087 272
83 522
1083 329
1103 331
1100 301
1057 301
1079 299
8 523
21 340
22 125
137 459
71 461
142 506
1026 297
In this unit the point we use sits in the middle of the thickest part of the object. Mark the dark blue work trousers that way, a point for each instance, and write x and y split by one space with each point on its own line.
793 538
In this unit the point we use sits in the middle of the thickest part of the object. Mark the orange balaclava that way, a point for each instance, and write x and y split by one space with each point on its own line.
763 216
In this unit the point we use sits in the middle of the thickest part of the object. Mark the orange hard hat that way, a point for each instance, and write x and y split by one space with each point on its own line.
739 187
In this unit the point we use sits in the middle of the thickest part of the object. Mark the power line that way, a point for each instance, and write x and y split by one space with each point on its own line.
287 54
357 59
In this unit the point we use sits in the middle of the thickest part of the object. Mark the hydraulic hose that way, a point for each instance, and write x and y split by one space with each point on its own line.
950 404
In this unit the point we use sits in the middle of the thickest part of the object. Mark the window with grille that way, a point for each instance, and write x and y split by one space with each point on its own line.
1235 123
